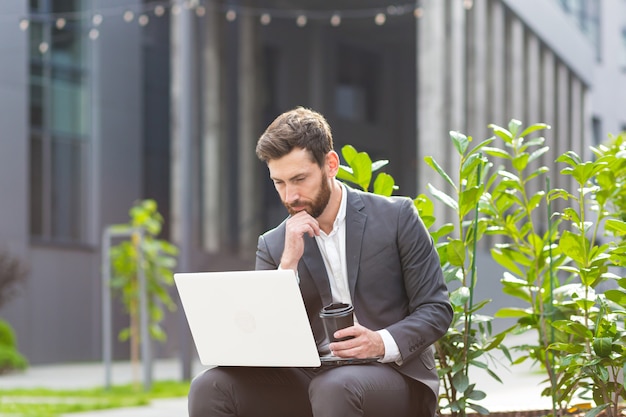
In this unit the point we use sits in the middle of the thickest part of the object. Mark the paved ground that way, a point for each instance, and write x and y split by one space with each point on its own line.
520 390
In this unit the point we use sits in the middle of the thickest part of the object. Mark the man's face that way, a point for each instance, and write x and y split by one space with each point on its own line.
300 183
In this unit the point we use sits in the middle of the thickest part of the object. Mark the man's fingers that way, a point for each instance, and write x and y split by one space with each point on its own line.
364 344
297 226
301 223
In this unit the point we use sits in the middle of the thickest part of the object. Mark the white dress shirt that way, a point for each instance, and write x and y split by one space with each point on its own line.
333 249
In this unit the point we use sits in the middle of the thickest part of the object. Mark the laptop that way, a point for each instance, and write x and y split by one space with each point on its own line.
250 318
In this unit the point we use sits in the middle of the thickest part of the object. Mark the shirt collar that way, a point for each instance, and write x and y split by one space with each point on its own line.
341 214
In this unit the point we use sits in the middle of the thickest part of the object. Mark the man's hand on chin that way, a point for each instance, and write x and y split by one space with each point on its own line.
297 226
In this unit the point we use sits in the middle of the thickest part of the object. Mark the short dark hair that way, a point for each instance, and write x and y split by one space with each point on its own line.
298 128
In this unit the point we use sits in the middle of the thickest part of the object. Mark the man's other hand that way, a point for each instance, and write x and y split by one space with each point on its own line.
364 344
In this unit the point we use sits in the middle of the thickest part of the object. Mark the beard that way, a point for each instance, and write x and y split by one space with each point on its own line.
316 207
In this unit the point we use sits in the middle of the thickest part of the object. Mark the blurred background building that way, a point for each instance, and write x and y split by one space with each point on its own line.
104 102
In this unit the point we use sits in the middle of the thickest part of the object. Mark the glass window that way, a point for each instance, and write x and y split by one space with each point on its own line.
67 194
59 123
356 93
586 14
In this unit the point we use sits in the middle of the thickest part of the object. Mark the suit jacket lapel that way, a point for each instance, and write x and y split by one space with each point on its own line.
312 258
355 228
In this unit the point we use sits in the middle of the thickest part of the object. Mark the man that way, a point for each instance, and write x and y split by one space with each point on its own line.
346 246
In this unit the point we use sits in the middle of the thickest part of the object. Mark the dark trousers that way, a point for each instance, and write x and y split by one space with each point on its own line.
371 390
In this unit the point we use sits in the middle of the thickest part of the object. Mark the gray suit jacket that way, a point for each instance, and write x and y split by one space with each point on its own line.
394 277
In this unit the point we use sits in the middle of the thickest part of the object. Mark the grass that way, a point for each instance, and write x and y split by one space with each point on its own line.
42 402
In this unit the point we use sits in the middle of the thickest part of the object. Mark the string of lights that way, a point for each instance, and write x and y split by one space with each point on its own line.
92 20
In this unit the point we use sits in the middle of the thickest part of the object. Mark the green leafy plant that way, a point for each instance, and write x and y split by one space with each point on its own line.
557 272
10 358
594 354
470 339
159 260
360 171
554 263
530 257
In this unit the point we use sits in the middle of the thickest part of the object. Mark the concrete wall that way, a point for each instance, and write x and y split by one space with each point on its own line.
57 316
608 99
14 158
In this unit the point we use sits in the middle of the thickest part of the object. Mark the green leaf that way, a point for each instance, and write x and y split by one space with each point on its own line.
444 230
379 164
469 167
514 126
597 410
460 381
434 165
574 328
460 141
618 227
511 312
520 161
443 197
362 167
456 252
479 409
384 184
496 152
477 395
345 174
533 128
602 346
468 200
536 154
460 296
479 147
617 296
572 348
506 261
570 245
570 157
348 152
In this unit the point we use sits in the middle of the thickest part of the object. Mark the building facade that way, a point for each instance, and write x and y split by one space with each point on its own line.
104 102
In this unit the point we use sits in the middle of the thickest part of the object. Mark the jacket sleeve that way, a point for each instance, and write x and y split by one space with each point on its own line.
430 311
264 259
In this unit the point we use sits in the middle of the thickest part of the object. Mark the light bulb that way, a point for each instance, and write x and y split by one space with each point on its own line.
301 21
96 19
265 19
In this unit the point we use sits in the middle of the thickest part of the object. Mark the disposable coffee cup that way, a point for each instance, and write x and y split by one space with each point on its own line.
335 317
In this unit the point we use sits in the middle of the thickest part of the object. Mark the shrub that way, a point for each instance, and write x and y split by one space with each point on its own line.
7 335
11 360
13 272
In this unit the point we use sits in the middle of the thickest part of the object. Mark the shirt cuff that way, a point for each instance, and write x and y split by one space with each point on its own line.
392 352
